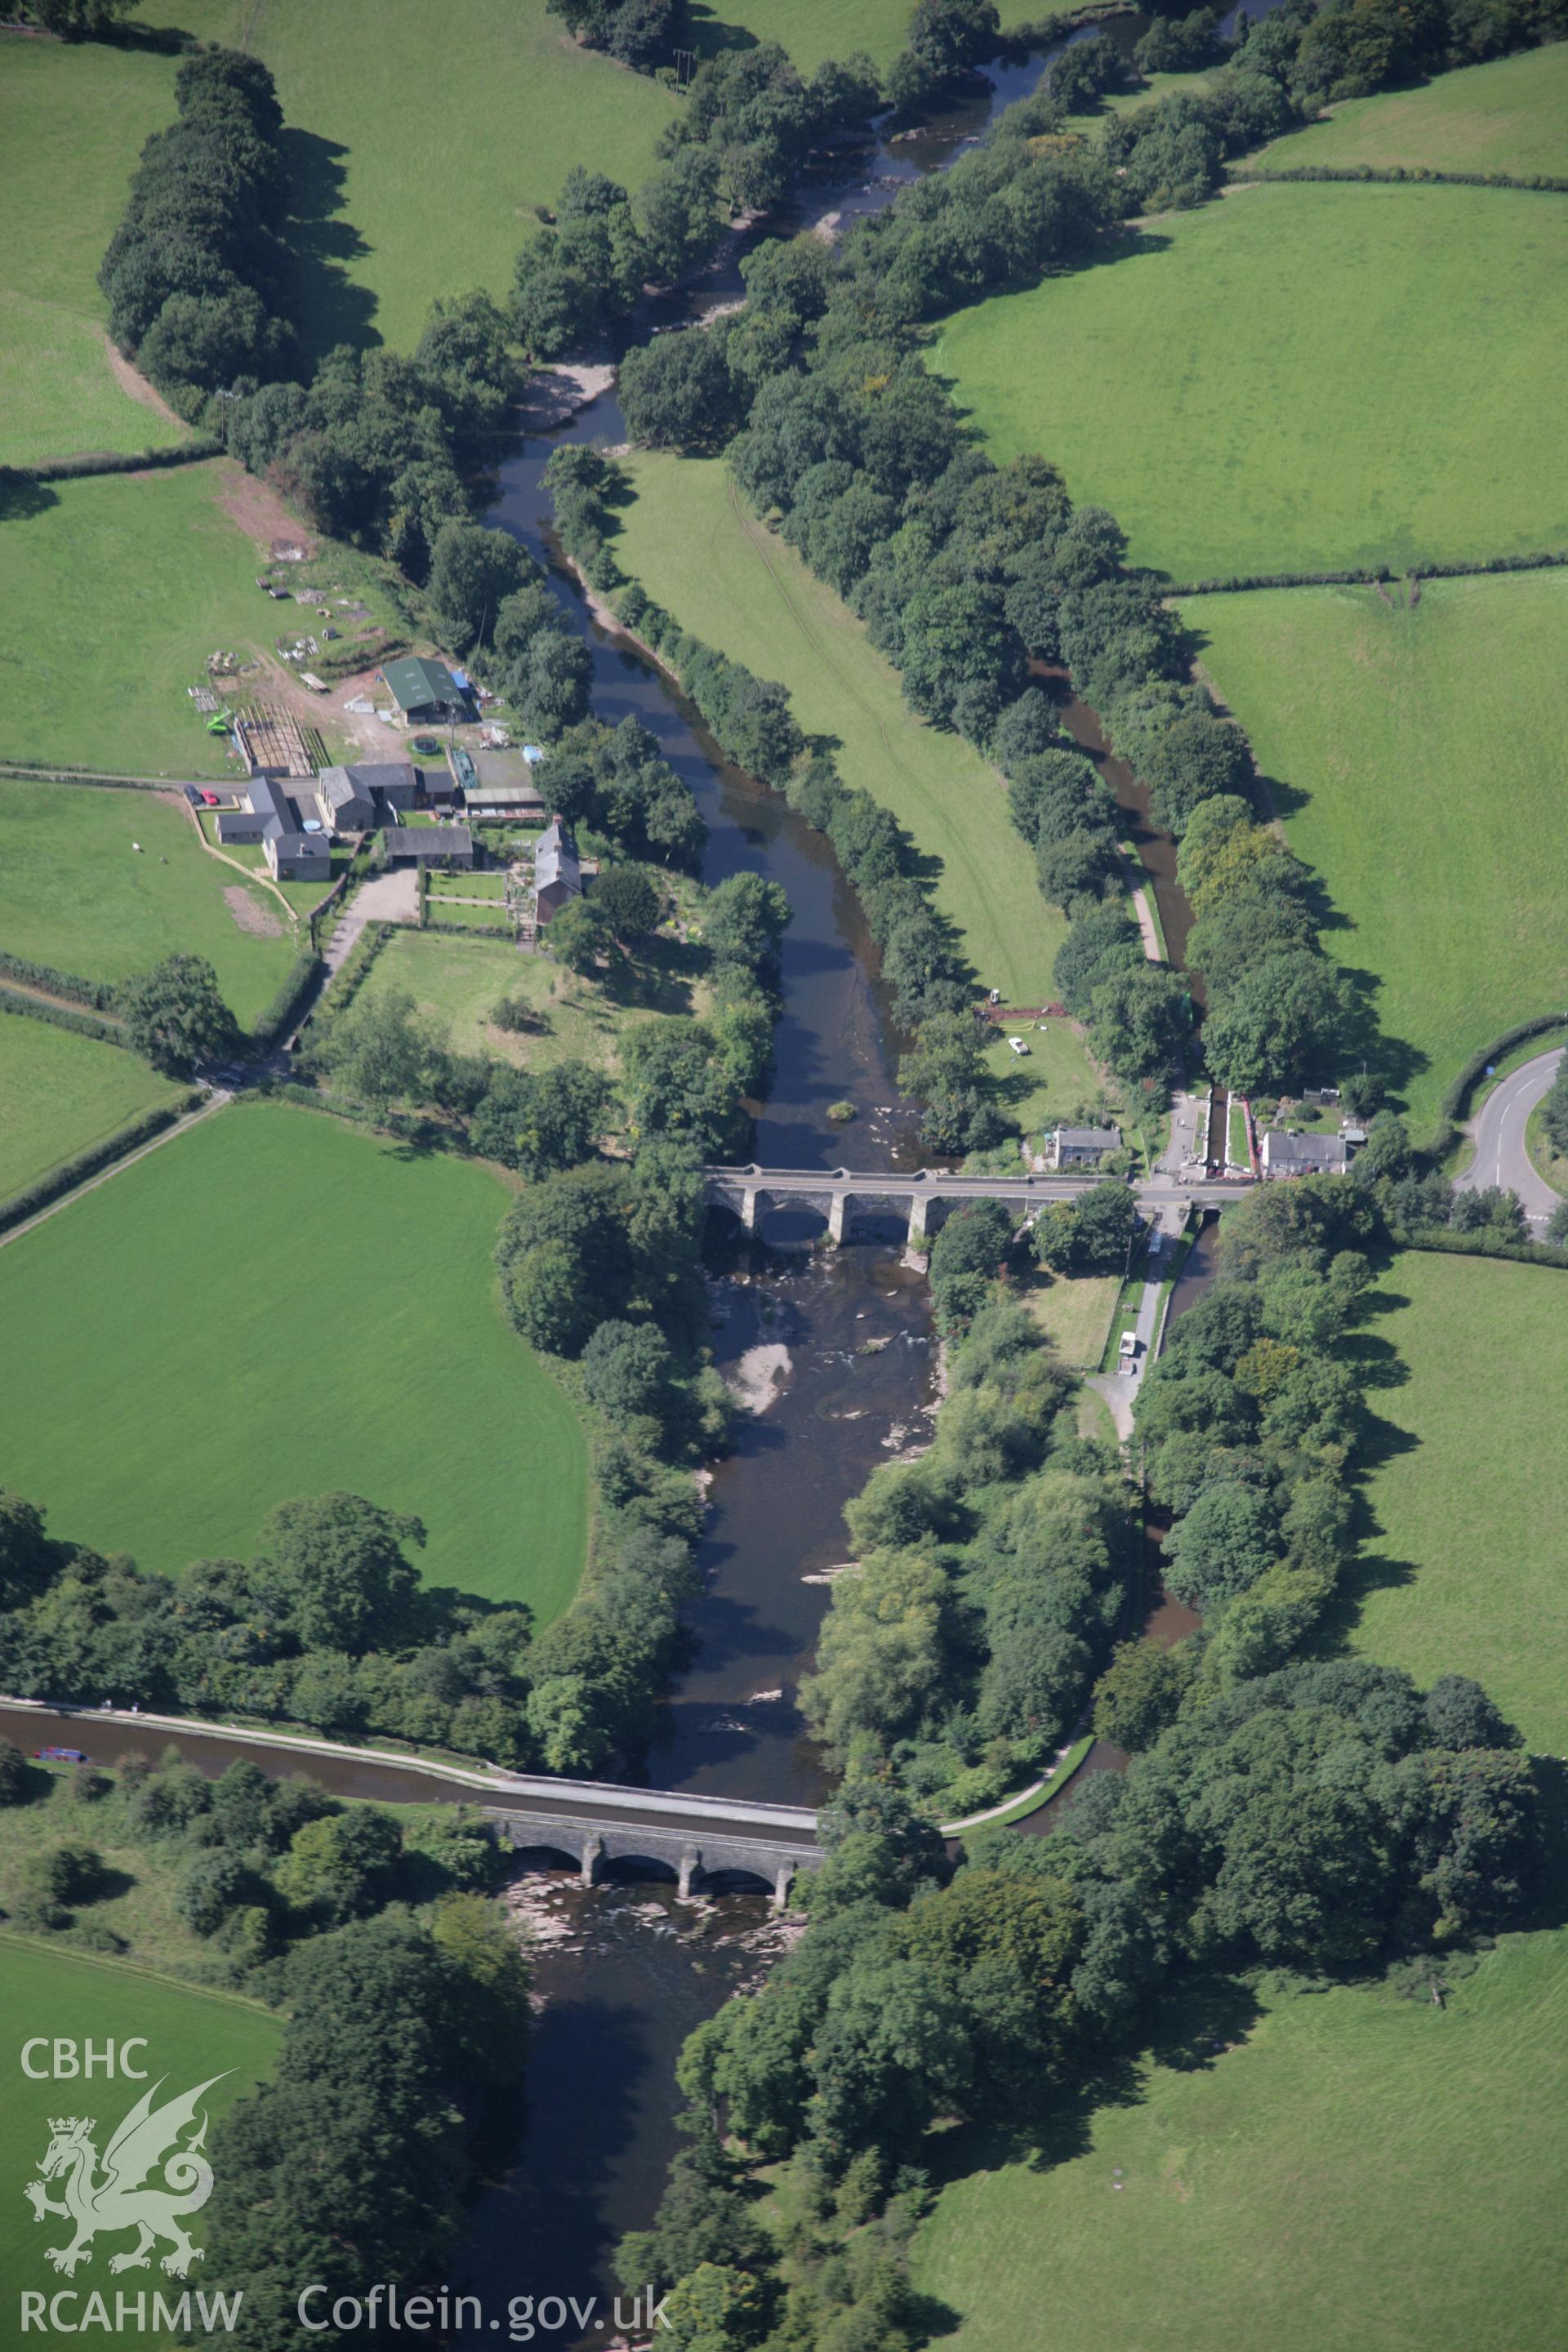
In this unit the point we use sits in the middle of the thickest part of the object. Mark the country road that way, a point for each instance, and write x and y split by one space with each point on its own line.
1497 1130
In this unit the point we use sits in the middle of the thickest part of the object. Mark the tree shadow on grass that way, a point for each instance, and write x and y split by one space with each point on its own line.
1189 2033
328 307
711 37
21 498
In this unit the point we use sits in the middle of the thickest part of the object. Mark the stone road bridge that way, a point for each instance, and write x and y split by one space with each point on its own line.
750 1191
592 1822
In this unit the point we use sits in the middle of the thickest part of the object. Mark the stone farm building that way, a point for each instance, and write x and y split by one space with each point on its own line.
428 844
357 799
297 846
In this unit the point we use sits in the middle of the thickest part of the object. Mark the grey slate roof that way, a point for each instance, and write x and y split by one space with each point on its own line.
1307 1151
555 857
1089 1138
337 785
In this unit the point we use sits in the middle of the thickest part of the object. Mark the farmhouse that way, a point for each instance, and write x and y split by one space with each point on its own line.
425 691
429 845
557 871
1304 1155
296 846
1081 1147
357 799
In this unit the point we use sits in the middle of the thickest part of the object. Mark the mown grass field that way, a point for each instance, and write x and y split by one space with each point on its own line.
698 552
1300 378
1354 2170
1464 1569
118 587
191 2036
62 1094
74 893
421 141
1073 1311
1429 747
72 120
277 1304
1511 115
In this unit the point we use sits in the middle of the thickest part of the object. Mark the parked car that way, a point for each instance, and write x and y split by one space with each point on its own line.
194 797
60 1755
210 800
1016 1046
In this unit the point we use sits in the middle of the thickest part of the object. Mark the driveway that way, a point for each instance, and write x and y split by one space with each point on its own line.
1497 1132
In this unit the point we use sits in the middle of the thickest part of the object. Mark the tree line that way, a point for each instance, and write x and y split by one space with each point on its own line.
405 1995
197 273
1327 1818
967 573
379 447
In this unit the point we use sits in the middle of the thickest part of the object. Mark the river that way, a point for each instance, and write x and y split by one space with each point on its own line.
834 1346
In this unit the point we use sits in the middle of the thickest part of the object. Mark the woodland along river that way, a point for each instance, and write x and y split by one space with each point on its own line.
838 1341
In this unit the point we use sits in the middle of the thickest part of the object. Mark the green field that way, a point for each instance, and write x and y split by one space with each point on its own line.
74 893
72 120
63 1094
1464 1571
191 2036
58 396
1302 378
698 553
423 139
277 1304
118 587
1429 746
1511 115
1355 2170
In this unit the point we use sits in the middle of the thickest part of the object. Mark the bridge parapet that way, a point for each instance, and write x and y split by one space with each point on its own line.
693 1854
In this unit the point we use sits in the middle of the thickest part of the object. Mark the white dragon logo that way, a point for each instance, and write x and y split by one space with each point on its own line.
118 2201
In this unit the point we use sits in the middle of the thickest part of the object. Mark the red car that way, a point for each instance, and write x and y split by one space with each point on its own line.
210 800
